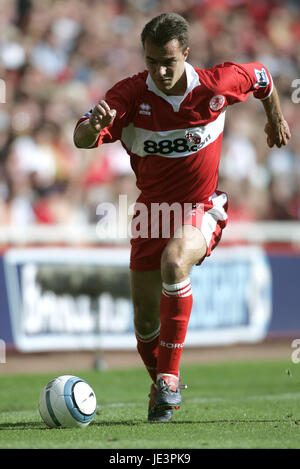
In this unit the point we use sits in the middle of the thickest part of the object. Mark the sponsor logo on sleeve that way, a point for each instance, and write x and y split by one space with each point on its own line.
88 114
145 109
261 77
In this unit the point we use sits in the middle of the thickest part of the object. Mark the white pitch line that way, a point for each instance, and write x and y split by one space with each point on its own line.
217 399
262 397
194 400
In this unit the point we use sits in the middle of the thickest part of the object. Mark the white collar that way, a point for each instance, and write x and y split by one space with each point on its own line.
175 101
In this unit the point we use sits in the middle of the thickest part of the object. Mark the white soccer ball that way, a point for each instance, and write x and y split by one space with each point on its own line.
67 401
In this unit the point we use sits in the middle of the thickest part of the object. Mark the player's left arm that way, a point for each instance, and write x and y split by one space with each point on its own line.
277 129
238 81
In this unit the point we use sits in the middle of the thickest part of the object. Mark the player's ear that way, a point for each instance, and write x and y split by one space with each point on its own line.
186 53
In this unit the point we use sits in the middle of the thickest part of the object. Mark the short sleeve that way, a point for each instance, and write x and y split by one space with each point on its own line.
237 81
261 79
120 98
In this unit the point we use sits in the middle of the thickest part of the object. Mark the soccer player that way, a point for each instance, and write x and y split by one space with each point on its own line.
170 119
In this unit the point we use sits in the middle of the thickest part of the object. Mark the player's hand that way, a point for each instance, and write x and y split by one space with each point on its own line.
102 116
278 133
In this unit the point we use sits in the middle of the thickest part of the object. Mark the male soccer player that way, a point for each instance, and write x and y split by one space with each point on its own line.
170 119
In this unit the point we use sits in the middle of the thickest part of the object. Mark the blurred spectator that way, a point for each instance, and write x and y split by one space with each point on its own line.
58 57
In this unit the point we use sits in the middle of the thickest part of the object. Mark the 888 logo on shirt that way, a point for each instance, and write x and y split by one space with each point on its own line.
166 147
192 142
172 143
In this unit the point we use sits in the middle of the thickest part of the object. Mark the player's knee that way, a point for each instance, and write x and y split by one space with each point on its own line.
173 268
146 328
146 316
145 322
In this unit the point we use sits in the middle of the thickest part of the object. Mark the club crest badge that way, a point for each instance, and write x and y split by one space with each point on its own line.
217 102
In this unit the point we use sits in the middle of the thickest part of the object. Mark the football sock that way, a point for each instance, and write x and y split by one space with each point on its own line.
171 380
175 310
147 346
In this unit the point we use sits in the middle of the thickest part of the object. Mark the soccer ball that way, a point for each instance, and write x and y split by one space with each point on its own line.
67 401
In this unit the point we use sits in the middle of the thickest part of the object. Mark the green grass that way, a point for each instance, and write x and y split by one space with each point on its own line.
230 405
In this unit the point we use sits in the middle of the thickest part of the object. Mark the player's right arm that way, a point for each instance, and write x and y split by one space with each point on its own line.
87 132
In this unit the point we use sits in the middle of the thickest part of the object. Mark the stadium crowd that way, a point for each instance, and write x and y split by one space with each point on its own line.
57 57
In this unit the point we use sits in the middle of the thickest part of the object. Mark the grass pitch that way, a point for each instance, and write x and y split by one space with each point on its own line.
229 405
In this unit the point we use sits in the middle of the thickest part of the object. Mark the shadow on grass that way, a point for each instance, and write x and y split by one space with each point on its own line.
192 422
22 425
42 426
131 423
231 422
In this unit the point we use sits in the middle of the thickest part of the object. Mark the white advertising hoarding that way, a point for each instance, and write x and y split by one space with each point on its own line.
79 298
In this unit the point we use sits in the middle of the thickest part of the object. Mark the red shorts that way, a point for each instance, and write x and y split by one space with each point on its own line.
154 224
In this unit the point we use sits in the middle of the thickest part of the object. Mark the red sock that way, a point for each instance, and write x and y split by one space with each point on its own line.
147 346
175 310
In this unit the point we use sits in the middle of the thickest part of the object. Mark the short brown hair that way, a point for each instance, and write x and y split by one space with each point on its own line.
164 28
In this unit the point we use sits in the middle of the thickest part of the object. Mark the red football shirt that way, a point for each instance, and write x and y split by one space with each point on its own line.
174 142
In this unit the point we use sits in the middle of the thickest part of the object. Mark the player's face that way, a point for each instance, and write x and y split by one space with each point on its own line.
166 66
